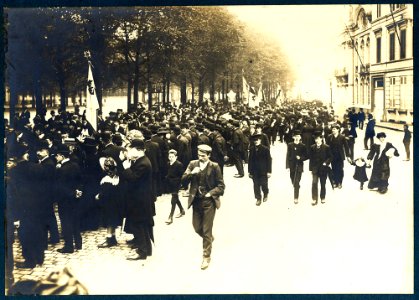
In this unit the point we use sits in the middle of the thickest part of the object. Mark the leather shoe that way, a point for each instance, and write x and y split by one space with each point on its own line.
110 242
238 176
137 256
265 198
131 242
181 214
258 202
169 221
205 263
296 201
66 250
25 265
314 202
323 201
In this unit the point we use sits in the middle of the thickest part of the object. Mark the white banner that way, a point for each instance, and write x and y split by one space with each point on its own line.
92 104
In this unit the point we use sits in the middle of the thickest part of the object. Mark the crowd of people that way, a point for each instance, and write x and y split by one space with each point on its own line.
112 176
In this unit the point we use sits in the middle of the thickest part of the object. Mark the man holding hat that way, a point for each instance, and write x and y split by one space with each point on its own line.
259 168
296 155
139 206
206 187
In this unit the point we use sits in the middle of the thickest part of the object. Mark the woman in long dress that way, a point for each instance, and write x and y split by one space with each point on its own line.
381 152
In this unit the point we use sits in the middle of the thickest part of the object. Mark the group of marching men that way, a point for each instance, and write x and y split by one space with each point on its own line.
97 178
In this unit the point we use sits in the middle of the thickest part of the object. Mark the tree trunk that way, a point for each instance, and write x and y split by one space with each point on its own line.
201 91
129 88
38 93
168 91
136 78
13 98
222 90
163 93
193 91
183 90
149 86
212 91
63 96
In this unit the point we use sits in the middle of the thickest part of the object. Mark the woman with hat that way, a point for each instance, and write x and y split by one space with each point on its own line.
381 152
109 195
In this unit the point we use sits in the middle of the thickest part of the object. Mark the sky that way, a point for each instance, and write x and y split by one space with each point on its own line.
308 34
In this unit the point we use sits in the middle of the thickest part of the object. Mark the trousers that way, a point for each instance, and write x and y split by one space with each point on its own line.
202 220
260 182
315 187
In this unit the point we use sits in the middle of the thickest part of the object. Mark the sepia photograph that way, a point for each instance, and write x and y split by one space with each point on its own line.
209 150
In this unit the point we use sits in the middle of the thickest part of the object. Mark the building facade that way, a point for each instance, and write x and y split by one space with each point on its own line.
377 70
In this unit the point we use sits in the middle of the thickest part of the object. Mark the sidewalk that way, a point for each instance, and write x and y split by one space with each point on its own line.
392 126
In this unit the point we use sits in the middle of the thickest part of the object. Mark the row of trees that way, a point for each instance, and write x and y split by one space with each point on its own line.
135 48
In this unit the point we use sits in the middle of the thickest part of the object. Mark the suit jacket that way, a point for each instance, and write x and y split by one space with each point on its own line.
213 178
68 179
338 146
260 161
139 201
292 151
219 149
152 151
174 176
319 156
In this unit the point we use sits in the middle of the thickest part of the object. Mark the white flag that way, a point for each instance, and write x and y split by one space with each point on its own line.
92 104
248 93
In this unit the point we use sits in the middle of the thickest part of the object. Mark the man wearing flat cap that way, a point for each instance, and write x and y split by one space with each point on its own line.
206 187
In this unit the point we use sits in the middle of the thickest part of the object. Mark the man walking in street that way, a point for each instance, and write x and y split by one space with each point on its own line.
296 155
320 158
206 187
340 150
260 168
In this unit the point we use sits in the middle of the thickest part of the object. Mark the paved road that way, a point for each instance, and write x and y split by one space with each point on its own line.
358 242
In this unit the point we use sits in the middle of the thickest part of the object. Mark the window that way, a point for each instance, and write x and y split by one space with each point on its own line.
402 43
378 49
378 10
392 46
394 7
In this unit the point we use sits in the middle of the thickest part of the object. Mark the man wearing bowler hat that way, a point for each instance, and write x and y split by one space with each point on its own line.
296 155
260 168
340 150
206 187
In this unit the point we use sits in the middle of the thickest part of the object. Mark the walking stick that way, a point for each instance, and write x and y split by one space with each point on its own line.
123 226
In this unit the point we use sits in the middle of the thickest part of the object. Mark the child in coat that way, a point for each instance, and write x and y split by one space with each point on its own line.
360 171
